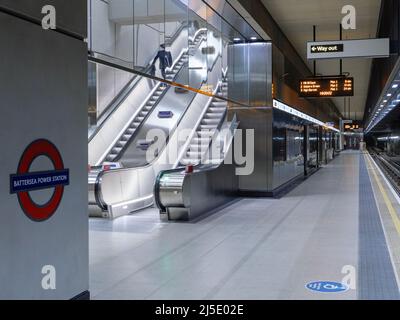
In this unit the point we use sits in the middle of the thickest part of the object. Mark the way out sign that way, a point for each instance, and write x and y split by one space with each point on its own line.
365 48
24 181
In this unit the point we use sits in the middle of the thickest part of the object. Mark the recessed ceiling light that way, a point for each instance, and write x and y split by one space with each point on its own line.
395 86
253 38
389 95
237 39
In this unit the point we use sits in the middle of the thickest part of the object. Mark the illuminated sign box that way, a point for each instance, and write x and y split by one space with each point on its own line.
326 87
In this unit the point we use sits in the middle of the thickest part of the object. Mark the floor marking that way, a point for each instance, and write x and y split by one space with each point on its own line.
392 211
368 156
374 189
396 196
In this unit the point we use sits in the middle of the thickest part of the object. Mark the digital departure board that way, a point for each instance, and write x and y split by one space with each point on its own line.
326 87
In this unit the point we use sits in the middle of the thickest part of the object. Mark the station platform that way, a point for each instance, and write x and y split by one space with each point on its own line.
341 225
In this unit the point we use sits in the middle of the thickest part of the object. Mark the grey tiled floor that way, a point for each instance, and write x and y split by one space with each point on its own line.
254 249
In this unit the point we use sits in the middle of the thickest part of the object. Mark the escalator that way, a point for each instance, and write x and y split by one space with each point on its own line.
182 195
207 128
157 94
131 107
127 182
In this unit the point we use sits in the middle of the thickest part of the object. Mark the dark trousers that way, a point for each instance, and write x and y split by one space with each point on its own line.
163 73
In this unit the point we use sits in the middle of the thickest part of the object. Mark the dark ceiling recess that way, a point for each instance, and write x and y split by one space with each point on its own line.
388 27
261 15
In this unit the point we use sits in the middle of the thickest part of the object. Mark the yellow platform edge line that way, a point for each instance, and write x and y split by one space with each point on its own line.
392 211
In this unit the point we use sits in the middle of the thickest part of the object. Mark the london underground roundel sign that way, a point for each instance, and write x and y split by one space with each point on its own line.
25 181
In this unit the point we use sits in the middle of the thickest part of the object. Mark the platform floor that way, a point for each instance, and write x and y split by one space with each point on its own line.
328 228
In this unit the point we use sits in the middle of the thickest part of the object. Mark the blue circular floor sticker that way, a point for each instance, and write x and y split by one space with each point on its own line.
327 287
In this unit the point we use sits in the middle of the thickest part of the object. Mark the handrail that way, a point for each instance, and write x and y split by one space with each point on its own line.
159 99
202 167
171 133
215 133
101 202
155 105
131 85
190 137
148 114
116 102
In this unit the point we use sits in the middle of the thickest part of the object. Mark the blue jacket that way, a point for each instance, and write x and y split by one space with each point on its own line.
165 59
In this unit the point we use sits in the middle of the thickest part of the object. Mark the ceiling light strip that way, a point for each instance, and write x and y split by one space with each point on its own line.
285 108
388 100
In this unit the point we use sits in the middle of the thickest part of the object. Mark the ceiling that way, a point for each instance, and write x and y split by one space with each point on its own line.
296 19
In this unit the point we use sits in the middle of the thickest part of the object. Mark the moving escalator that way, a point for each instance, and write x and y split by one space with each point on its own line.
183 194
123 180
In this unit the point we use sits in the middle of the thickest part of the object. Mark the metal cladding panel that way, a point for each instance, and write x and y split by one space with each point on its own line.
260 74
238 73
71 15
250 83
261 122
43 89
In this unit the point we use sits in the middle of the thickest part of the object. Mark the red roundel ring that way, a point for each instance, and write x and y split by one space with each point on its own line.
38 148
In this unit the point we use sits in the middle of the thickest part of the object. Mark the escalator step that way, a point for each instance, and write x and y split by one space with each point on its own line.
121 144
205 133
116 150
217 109
125 137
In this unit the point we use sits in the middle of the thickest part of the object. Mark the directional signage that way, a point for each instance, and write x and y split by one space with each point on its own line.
327 48
326 87
367 48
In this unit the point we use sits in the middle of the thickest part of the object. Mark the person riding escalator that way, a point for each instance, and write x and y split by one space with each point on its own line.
165 58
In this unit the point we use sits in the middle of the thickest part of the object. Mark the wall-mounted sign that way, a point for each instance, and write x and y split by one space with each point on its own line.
326 87
327 48
165 114
368 48
351 127
25 181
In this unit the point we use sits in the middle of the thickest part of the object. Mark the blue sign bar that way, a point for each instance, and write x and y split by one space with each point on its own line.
38 180
165 114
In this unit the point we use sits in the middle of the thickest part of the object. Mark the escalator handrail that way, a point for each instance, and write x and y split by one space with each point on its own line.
146 117
190 137
128 88
156 103
116 102
197 169
186 147
171 133
165 145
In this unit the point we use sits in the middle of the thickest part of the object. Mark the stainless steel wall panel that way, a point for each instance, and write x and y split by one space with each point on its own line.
250 83
238 73
260 74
